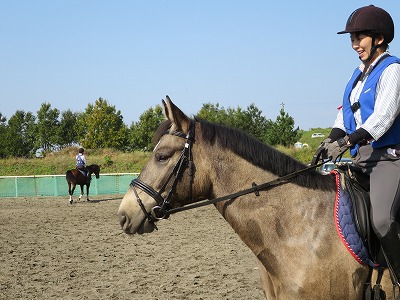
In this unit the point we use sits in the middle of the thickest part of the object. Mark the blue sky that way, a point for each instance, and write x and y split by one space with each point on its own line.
133 53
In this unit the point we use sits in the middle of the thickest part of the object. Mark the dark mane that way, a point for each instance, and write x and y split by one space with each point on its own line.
255 152
261 155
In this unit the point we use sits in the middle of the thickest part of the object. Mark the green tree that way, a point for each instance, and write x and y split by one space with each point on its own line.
47 127
21 135
213 113
250 120
141 132
68 133
282 132
102 126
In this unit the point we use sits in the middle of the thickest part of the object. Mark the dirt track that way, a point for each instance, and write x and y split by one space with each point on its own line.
52 250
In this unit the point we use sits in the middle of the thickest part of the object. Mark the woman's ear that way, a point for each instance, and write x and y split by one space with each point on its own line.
379 40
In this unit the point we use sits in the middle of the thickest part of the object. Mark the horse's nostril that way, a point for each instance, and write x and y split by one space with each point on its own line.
124 222
122 219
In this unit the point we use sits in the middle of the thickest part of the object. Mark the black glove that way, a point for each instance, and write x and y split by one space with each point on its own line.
337 148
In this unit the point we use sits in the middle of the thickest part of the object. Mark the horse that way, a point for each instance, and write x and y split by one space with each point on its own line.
75 177
287 224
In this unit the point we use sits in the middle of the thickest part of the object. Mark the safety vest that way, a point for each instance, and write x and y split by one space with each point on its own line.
79 161
367 104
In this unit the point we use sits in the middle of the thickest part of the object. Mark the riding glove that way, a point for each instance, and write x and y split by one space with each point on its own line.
337 148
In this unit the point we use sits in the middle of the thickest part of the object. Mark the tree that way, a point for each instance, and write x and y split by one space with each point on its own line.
21 134
141 132
250 120
47 127
101 126
281 131
213 113
68 133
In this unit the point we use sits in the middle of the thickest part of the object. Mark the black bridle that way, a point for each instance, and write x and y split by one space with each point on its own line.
163 209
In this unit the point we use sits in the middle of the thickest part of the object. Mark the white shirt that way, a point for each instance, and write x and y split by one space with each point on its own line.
387 101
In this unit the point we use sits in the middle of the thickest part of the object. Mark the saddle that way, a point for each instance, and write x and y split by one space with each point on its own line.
82 172
356 184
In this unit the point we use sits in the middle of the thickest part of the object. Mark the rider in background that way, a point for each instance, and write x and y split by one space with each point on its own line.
369 123
81 164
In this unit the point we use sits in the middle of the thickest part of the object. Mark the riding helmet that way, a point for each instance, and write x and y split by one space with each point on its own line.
372 19
81 150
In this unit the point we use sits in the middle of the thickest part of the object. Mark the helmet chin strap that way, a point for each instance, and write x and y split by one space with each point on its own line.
373 50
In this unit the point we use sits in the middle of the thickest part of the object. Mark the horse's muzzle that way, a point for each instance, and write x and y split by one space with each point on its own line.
125 223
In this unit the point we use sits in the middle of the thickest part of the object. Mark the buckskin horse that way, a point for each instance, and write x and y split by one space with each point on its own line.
287 224
75 177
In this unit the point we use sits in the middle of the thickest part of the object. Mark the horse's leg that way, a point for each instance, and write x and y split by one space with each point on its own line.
71 191
87 192
266 282
81 192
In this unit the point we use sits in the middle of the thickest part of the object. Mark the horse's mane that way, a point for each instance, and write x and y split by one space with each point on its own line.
94 168
256 152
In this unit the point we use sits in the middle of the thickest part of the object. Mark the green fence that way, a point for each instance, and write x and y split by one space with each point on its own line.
56 185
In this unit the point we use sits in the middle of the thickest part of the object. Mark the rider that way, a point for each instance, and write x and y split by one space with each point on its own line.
81 164
369 123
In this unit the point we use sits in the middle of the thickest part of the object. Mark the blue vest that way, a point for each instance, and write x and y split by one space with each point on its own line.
79 161
367 104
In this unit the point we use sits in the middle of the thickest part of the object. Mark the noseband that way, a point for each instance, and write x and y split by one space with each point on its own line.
160 211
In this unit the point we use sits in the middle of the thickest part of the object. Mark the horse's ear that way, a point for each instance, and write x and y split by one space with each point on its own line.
180 122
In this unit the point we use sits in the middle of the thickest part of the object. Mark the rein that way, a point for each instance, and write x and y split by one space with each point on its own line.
163 210
254 189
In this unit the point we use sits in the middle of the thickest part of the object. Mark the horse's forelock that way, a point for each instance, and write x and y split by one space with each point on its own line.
164 127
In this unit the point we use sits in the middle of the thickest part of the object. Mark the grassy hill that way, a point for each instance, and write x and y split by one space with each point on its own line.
58 163
113 161
314 142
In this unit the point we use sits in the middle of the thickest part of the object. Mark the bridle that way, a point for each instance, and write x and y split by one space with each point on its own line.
163 208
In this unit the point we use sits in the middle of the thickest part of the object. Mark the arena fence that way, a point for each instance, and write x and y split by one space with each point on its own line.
56 185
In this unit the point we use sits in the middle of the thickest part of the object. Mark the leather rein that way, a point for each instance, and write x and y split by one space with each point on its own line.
163 208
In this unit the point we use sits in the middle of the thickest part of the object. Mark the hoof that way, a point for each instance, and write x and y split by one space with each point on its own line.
87 200
71 201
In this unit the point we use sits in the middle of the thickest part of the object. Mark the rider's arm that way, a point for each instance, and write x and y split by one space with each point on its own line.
84 160
338 130
387 103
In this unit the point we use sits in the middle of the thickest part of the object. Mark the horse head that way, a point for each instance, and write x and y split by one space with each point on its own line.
167 180
95 169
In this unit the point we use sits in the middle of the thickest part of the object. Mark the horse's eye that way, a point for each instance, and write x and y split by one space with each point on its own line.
162 157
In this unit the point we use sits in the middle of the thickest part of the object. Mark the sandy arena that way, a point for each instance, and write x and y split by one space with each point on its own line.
53 250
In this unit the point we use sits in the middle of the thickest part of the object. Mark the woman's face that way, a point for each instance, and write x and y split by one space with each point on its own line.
362 44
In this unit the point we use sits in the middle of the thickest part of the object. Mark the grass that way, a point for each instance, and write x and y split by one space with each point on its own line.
112 161
57 163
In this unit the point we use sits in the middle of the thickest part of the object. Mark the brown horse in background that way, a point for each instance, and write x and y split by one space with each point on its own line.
75 177
290 228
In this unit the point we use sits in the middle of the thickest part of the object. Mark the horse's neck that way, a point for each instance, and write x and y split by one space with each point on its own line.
283 214
233 173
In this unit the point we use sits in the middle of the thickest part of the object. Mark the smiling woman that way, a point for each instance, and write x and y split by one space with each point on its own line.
368 124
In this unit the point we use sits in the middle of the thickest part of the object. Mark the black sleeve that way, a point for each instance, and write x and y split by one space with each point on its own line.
360 135
336 133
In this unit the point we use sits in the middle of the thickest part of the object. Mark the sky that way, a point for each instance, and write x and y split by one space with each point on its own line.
134 53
